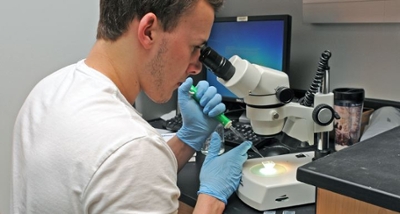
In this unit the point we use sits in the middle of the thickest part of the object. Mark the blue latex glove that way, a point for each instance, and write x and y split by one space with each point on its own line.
198 121
220 175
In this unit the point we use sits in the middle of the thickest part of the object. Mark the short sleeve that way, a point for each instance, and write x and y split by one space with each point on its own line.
139 177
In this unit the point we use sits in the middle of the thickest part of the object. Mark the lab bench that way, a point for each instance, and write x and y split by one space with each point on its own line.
363 178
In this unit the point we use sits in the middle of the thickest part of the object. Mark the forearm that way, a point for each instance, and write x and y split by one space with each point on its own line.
182 151
208 204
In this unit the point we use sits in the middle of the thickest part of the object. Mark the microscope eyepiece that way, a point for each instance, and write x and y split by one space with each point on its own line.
219 65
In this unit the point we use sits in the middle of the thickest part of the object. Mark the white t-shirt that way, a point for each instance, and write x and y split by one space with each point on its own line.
80 147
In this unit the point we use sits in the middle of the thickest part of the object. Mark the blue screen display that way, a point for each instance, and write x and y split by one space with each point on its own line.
261 42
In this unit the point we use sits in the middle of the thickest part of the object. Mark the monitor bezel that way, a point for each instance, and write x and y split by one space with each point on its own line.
287 21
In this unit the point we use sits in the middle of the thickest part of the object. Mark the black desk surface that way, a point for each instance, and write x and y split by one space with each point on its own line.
368 171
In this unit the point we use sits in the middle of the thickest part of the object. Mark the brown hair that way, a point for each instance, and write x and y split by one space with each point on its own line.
115 15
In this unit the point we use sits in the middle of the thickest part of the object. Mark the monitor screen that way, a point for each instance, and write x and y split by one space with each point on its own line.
263 40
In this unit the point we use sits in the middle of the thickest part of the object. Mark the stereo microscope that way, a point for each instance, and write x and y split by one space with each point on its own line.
270 182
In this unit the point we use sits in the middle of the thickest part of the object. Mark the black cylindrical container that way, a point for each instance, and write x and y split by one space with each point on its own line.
348 103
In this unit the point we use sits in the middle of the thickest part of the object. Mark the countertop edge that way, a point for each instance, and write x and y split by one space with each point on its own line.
350 189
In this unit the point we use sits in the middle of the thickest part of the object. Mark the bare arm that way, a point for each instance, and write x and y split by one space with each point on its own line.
182 151
208 204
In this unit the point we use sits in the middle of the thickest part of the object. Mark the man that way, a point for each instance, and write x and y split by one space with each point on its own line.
79 145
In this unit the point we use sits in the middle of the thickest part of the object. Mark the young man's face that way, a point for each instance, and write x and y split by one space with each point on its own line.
178 52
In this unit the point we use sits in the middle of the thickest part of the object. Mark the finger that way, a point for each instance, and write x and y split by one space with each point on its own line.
240 151
220 108
245 146
202 87
208 95
213 102
215 145
185 87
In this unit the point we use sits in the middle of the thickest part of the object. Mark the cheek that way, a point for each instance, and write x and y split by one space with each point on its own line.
180 63
183 52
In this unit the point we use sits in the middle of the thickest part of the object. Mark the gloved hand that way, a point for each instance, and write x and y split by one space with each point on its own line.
220 175
198 121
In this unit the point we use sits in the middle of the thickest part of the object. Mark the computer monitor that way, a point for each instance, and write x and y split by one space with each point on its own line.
263 40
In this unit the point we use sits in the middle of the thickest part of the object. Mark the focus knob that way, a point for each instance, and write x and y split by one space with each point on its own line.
284 94
323 114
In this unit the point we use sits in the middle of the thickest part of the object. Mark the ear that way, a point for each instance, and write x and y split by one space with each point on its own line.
147 31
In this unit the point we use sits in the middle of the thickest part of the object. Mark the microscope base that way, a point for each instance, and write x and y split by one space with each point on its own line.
264 187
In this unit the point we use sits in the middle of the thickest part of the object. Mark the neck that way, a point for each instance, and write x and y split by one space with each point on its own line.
107 58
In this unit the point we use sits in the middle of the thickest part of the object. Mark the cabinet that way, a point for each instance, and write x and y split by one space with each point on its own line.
351 11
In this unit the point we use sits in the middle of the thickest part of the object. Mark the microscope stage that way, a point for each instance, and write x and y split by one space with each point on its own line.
270 182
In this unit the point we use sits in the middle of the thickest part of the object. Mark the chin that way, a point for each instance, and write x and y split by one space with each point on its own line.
162 99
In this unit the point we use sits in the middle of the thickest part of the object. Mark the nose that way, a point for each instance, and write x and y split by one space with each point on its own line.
195 65
195 68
